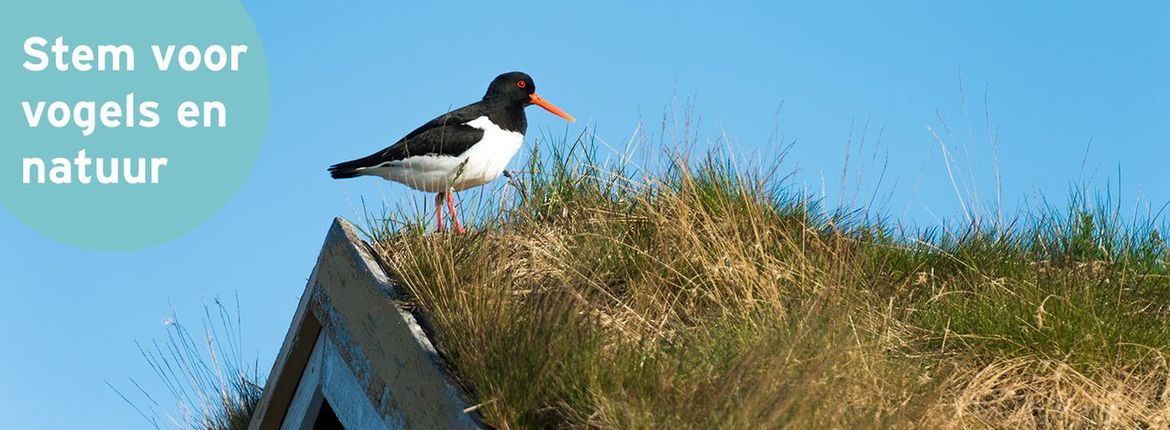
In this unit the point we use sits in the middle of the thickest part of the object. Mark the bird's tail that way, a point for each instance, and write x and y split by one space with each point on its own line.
348 169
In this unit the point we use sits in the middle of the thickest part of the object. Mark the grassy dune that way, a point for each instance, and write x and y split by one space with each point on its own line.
702 296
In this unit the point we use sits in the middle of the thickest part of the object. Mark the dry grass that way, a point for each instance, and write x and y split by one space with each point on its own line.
211 385
706 296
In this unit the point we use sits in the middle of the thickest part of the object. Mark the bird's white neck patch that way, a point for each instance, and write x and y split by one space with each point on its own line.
485 124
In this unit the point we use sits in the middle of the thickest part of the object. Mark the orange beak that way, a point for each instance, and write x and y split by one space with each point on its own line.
539 101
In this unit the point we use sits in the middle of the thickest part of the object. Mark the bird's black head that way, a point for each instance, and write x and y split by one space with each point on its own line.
514 87
517 88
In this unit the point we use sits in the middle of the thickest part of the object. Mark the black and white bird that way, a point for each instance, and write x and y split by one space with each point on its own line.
461 149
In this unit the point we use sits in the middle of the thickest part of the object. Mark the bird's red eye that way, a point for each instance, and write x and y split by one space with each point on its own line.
521 84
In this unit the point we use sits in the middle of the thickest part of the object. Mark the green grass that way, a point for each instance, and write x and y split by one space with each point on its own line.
706 295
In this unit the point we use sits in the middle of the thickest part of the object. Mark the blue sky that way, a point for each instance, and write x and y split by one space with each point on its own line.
349 78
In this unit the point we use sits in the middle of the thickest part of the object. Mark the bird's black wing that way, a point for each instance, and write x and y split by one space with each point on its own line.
446 135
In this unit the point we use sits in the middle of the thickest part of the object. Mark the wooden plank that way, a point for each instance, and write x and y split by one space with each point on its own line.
350 299
306 403
384 346
346 394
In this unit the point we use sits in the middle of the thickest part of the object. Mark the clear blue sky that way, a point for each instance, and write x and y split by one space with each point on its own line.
350 77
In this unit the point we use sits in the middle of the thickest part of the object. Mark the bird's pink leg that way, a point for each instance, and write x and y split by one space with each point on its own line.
439 211
454 216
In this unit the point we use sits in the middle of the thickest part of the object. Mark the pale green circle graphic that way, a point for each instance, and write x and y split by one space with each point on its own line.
204 165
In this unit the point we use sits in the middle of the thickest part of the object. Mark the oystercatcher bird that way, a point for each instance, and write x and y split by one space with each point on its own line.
461 149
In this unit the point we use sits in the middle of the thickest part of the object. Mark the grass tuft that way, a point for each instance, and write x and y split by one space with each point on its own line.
207 378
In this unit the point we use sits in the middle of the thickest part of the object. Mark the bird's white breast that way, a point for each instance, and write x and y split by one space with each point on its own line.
488 158
476 166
